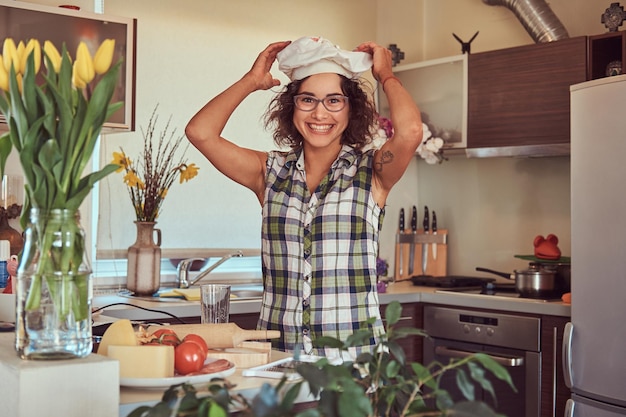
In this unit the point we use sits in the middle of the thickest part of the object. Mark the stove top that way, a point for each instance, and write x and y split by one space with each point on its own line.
474 286
495 290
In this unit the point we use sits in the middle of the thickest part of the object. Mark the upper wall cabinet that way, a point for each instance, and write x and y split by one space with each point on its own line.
439 87
519 98
606 55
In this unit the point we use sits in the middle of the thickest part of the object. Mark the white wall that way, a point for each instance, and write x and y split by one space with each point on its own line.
187 53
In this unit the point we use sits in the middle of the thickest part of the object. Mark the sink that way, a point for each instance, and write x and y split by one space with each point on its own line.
238 292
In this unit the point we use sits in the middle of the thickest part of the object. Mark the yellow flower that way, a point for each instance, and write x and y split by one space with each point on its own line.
20 53
4 77
19 82
120 158
187 172
132 180
33 47
76 80
53 54
83 71
10 57
104 56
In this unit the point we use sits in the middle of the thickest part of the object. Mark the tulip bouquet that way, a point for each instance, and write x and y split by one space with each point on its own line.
54 121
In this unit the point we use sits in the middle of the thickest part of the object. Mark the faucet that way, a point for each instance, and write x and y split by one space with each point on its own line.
182 270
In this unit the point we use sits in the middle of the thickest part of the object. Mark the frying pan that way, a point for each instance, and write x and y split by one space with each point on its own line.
534 282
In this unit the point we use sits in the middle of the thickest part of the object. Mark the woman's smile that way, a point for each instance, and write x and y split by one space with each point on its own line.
320 128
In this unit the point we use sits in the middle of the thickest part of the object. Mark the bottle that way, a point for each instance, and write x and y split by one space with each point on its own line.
5 253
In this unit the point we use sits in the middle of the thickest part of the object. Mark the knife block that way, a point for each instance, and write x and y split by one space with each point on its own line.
409 242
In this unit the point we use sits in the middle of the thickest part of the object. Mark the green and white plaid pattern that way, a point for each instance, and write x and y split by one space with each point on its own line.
319 251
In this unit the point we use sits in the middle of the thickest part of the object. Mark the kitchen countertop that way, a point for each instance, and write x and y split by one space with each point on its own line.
404 292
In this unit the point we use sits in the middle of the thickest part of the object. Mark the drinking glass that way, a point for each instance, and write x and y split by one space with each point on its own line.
215 303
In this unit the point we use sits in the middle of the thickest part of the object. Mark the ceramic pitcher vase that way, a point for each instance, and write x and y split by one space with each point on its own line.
144 260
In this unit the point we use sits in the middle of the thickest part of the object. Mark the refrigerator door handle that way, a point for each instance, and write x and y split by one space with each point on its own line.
567 354
569 408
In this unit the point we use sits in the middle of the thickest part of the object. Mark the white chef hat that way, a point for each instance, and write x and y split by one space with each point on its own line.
308 55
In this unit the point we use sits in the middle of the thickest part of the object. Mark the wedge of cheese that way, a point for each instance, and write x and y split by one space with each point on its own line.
120 333
148 361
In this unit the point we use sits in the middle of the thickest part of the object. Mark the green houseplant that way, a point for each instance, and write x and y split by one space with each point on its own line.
379 384
55 118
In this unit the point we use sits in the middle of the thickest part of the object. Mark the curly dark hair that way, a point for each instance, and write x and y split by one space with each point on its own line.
279 115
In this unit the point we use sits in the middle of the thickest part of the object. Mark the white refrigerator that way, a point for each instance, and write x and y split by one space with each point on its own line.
594 347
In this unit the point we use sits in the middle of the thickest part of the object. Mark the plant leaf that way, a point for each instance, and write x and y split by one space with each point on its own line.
495 368
393 312
465 385
5 151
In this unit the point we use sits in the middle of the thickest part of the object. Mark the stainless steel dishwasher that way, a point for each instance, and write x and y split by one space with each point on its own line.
513 341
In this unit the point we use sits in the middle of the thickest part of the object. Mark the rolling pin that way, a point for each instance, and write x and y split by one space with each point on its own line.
219 336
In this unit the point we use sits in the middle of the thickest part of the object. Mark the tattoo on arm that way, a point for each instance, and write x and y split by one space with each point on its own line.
385 158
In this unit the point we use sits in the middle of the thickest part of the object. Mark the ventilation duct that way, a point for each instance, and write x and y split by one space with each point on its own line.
537 18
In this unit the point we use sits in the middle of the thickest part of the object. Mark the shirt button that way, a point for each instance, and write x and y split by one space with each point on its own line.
305 302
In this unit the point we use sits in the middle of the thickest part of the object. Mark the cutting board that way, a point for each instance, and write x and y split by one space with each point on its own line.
245 355
219 336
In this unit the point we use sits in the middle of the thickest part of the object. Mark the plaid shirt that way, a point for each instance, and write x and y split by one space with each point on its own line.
319 251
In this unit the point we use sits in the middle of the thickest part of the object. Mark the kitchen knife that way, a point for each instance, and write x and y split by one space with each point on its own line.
425 245
434 230
412 245
401 231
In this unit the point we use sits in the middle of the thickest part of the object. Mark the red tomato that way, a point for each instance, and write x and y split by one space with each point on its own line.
199 340
166 337
188 357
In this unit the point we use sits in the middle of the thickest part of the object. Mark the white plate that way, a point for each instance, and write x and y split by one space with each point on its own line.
167 382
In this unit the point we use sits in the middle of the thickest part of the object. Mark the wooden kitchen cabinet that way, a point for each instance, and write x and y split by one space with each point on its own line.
518 98
554 393
604 51
412 316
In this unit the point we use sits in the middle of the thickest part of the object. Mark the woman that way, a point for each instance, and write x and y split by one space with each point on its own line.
323 200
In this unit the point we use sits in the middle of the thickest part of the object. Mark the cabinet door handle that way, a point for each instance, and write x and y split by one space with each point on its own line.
567 354
511 361
404 318
554 350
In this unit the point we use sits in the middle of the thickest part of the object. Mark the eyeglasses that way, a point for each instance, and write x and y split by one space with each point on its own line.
334 103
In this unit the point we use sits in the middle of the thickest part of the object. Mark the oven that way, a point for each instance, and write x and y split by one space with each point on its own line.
511 340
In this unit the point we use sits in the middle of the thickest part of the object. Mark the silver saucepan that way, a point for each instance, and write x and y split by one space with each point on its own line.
534 282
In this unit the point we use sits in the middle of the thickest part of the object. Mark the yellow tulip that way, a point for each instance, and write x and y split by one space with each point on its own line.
76 80
4 77
31 47
53 54
10 57
104 56
83 67
19 82
20 53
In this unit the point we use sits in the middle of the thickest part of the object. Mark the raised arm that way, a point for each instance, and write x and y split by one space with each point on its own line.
204 130
393 157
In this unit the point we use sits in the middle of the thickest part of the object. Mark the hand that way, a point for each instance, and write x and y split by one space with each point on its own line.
382 60
260 71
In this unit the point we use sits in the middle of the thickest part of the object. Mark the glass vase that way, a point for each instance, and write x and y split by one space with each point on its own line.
144 260
54 288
